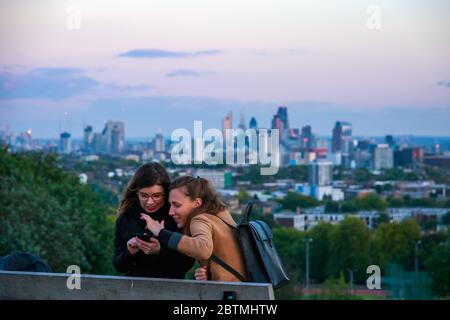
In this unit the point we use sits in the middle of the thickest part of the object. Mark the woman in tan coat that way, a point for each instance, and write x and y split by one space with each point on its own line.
207 229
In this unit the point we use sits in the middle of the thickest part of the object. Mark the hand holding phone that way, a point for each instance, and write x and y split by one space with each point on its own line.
145 236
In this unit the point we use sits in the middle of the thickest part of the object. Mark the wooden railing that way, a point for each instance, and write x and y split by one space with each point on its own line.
43 286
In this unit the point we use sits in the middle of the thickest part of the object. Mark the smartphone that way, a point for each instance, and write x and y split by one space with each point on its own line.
144 236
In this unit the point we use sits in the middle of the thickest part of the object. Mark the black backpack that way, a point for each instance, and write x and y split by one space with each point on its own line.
260 256
20 261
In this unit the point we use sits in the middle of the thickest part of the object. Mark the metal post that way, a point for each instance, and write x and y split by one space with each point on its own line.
307 264
416 262
350 271
308 240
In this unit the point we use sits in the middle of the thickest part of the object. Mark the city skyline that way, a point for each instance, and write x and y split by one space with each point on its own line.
85 62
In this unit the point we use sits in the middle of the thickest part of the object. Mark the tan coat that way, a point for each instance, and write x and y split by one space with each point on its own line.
209 235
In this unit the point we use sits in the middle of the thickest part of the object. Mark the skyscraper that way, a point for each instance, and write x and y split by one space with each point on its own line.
280 119
389 140
65 144
342 142
113 136
97 142
242 122
158 143
383 157
253 124
227 123
320 173
307 137
342 137
88 137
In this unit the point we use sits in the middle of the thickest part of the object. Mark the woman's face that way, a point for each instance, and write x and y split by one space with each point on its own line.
151 198
181 206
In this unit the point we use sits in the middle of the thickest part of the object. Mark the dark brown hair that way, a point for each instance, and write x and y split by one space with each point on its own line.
147 175
200 188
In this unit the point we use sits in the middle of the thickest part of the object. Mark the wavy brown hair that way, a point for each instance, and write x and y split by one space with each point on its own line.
147 175
200 188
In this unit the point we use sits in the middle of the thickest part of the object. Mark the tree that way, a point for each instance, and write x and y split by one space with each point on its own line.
350 249
395 202
394 242
362 175
293 200
45 211
349 207
290 247
331 206
371 201
243 195
320 249
446 218
438 265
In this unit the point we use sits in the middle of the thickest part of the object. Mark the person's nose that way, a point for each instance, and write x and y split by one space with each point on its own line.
171 211
150 201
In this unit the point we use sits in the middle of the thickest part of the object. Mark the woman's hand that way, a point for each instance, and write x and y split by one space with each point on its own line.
201 273
154 226
132 246
151 247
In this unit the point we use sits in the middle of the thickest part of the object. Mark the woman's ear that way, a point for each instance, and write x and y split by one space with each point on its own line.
198 202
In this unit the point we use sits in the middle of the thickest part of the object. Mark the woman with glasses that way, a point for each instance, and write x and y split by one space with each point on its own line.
137 252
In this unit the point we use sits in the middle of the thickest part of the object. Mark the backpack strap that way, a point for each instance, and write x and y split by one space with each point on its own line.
231 226
227 267
222 263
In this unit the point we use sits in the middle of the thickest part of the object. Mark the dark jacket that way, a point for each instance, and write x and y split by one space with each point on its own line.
166 264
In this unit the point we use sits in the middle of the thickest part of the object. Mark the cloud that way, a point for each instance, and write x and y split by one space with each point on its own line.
57 71
443 83
188 73
44 83
117 87
57 84
157 53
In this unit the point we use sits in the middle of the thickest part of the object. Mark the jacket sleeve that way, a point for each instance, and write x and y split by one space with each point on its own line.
122 260
198 246
176 262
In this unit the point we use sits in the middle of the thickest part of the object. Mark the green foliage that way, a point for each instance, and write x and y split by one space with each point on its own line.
350 245
243 195
45 211
349 207
394 242
398 174
290 247
371 201
299 173
416 202
362 175
438 264
293 200
437 175
336 289
320 249
446 219
331 206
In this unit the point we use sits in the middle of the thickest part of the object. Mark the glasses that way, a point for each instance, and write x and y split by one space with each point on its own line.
155 196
